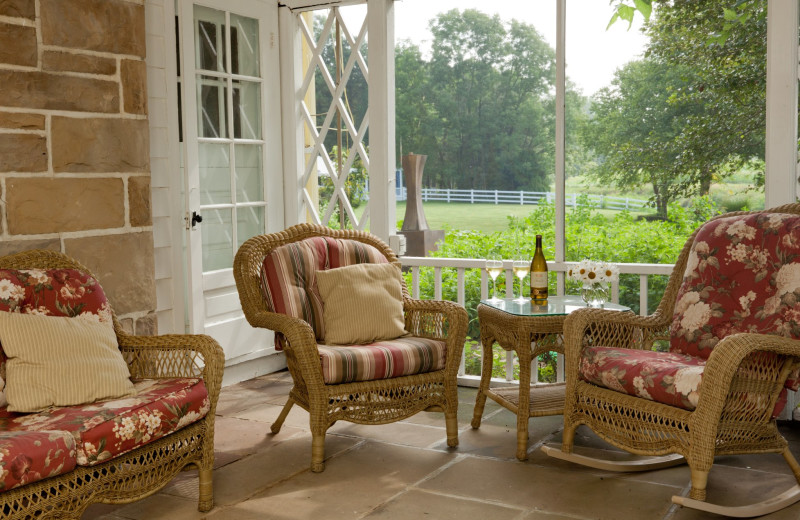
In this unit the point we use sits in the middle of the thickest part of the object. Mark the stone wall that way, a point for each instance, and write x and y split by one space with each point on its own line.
74 142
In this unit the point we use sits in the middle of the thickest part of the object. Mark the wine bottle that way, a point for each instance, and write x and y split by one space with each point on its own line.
539 274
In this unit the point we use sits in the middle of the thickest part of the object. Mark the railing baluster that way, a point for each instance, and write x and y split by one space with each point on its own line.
643 294
415 282
437 283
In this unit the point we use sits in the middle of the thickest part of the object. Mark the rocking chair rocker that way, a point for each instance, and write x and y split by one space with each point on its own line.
731 312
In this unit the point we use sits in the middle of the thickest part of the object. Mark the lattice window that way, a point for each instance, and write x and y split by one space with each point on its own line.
335 115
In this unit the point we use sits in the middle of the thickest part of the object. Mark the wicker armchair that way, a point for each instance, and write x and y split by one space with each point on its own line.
378 401
715 391
141 472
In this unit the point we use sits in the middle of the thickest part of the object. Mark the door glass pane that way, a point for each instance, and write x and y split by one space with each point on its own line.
212 109
246 110
249 185
250 223
209 39
244 46
217 239
215 180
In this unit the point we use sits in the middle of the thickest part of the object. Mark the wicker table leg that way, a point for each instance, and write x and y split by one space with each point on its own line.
486 378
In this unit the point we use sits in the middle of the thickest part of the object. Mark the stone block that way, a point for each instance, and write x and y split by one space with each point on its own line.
134 86
9 247
114 26
44 90
127 325
20 121
23 153
68 62
18 45
124 265
38 205
100 145
147 325
18 8
139 201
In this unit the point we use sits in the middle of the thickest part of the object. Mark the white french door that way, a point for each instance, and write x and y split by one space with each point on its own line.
232 156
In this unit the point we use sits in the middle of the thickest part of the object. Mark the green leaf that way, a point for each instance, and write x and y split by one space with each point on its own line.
730 14
613 19
645 7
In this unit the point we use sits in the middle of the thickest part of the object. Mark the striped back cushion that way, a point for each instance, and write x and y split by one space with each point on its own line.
288 275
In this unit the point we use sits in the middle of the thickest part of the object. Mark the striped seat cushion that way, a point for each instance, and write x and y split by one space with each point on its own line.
288 275
381 360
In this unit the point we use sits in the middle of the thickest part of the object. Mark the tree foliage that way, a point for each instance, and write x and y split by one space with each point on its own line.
481 106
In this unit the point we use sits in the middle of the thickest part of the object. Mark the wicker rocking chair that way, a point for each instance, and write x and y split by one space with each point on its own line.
276 280
731 313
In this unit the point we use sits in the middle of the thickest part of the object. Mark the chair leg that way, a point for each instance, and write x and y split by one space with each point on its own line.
568 438
276 426
699 482
317 452
206 489
451 423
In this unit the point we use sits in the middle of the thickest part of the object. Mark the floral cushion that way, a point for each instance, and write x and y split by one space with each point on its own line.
288 280
26 457
382 360
106 429
51 292
666 377
742 275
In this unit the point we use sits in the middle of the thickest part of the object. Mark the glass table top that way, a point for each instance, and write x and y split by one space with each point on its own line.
556 306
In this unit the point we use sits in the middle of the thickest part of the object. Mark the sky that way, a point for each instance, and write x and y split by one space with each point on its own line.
593 53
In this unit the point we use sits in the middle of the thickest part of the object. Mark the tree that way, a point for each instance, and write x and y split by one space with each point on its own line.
481 108
637 126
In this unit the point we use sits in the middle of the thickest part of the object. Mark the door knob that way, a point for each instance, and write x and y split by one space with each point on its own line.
196 218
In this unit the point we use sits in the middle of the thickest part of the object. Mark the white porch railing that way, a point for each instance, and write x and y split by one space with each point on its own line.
461 265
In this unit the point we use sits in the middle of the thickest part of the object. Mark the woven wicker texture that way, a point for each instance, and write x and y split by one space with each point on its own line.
369 402
517 334
733 415
145 470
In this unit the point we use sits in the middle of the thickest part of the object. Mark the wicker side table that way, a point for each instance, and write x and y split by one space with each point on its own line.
528 330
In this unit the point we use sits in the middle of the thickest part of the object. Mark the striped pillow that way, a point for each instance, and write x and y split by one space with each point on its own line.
362 303
383 360
288 275
60 361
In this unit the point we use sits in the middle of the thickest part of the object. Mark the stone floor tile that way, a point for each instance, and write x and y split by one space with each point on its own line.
419 504
239 398
159 506
352 485
236 438
406 434
575 492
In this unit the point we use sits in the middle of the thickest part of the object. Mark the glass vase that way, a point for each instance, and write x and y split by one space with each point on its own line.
594 294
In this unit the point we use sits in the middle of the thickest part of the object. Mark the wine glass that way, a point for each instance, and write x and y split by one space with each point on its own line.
521 268
494 266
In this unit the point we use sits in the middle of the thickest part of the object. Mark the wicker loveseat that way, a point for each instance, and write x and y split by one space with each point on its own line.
376 383
56 462
731 313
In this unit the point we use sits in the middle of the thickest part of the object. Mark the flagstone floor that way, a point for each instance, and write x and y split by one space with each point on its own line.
406 471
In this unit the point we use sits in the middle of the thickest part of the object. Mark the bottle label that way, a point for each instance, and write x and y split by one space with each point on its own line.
539 279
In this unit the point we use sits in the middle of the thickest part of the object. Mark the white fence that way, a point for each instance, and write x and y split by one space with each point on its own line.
520 197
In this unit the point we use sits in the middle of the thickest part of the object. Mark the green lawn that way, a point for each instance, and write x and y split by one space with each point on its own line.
480 217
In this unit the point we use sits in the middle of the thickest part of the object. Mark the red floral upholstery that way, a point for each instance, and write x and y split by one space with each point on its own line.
109 428
288 281
26 457
665 377
742 275
382 360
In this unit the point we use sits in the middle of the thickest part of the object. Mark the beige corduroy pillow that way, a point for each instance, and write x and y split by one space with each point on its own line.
60 361
362 303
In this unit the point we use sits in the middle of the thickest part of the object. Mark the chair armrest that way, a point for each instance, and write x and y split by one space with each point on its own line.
438 319
175 355
731 371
